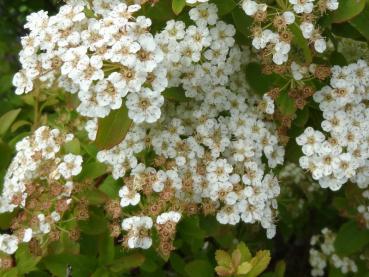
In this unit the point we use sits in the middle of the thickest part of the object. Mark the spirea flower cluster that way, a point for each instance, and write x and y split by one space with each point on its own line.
207 154
340 153
101 52
274 29
39 181
323 253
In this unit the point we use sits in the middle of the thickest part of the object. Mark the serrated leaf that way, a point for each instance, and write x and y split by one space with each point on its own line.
223 258
351 239
223 271
236 257
245 252
244 268
347 10
178 6
7 119
113 128
259 263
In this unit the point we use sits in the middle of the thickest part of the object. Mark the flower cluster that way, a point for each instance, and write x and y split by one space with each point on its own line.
39 181
344 154
99 51
273 31
205 155
323 253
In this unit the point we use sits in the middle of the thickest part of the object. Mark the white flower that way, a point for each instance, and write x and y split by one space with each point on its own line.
128 197
250 7
144 106
204 14
310 141
138 228
289 17
168 216
320 45
8 244
307 29
71 166
302 6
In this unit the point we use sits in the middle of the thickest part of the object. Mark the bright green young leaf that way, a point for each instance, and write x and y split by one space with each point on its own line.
259 263
351 239
113 128
223 258
223 271
245 252
244 268
6 120
110 187
178 6
347 10
280 269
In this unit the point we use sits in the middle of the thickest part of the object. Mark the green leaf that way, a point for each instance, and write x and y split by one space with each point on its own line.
177 263
350 239
280 269
245 252
94 196
178 6
18 124
96 224
347 10
113 128
225 6
244 268
286 104
199 268
26 262
106 249
242 22
259 263
101 272
302 117
361 22
223 258
81 265
258 81
176 94
6 120
73 146
299 40
92 171
161 11
127 263
110 187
